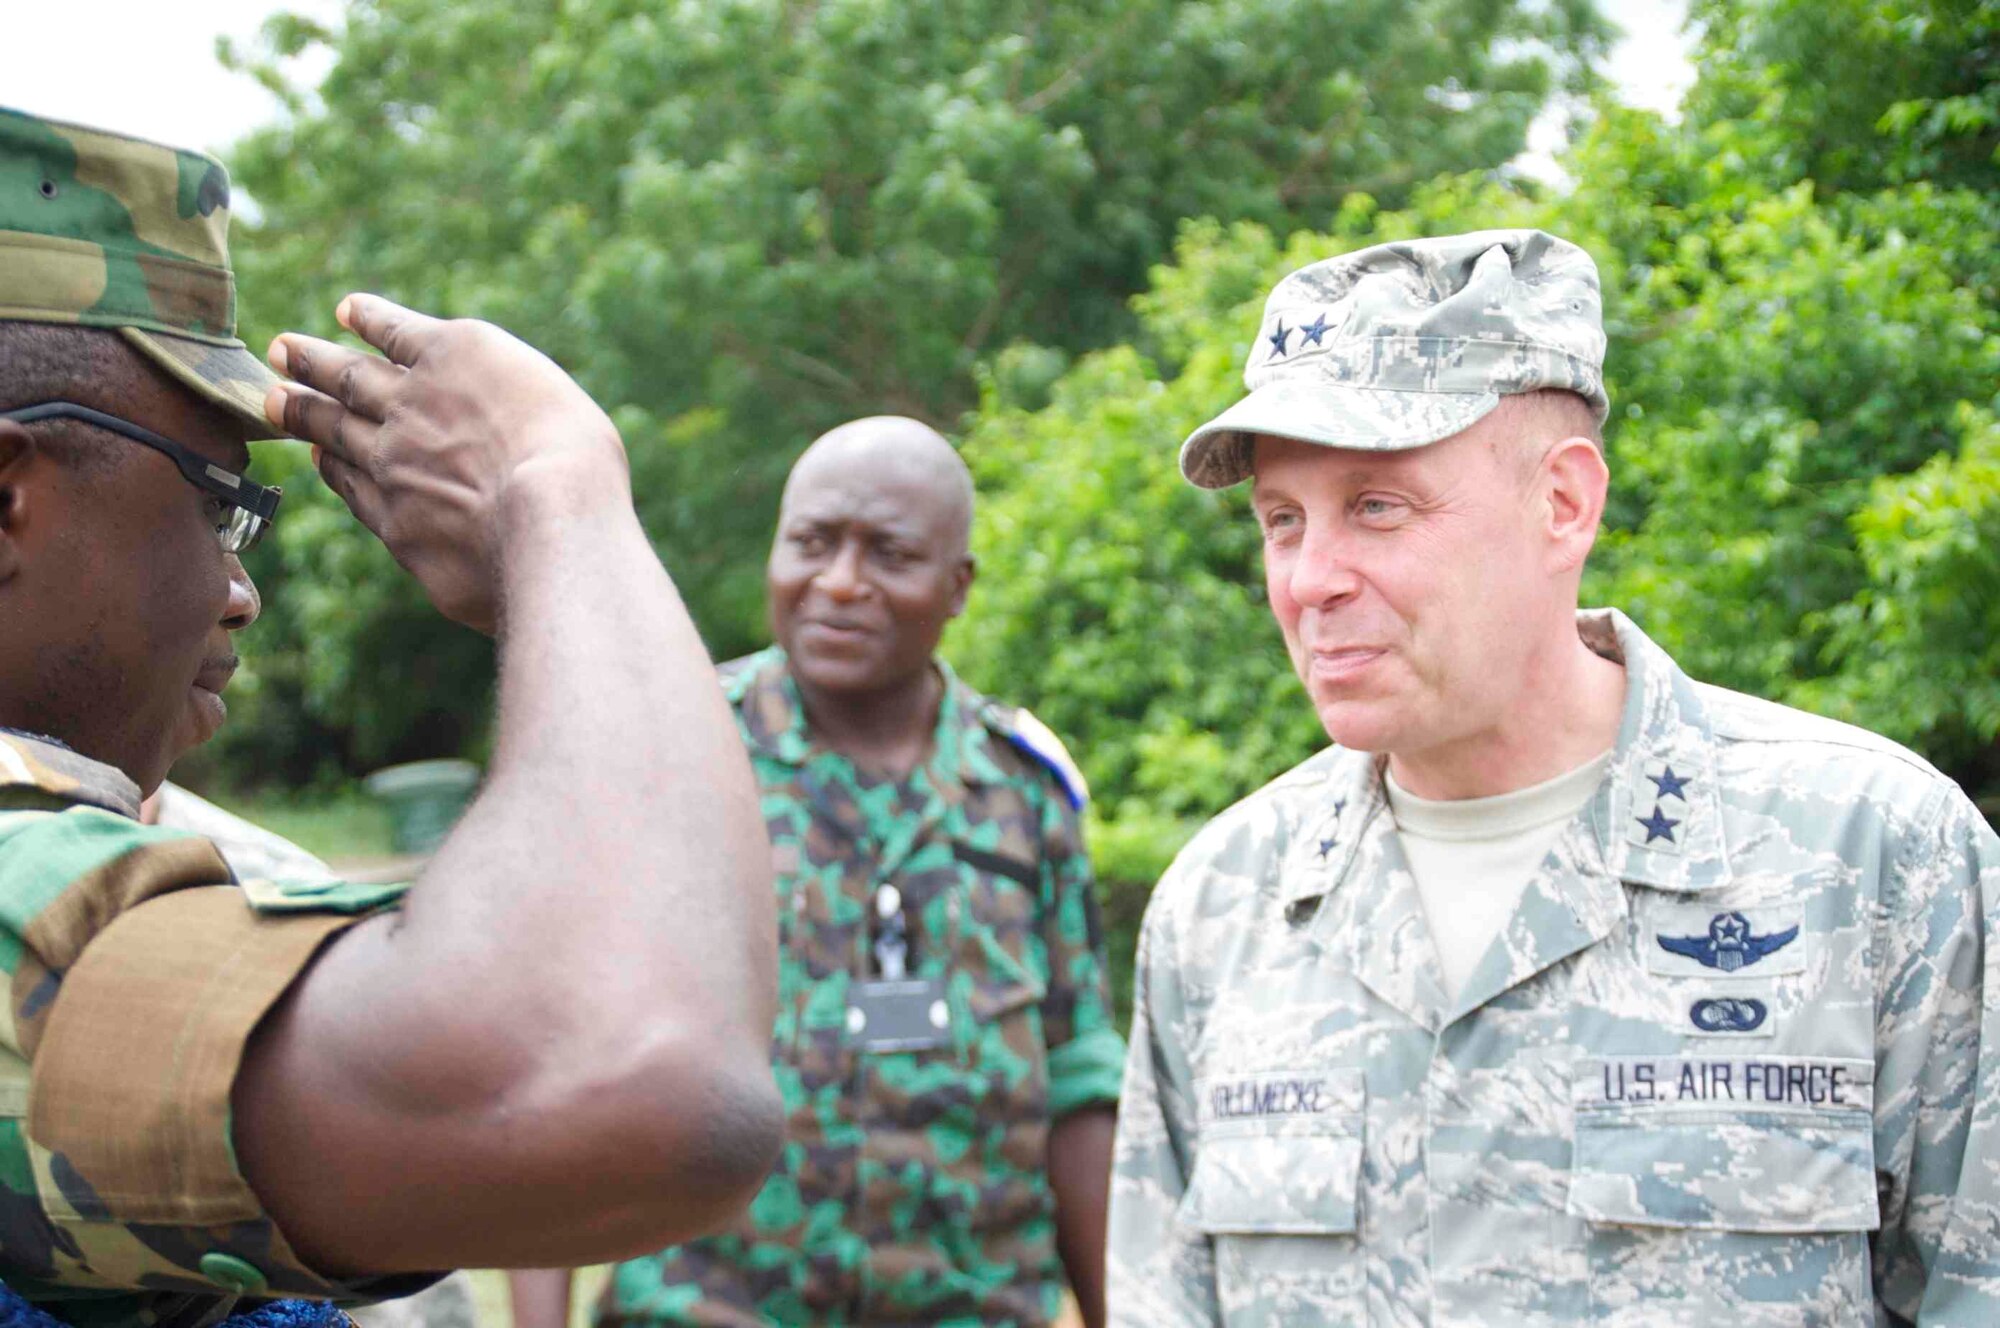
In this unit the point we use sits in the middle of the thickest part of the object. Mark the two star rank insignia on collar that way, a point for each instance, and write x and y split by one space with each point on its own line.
1667 785
1332 838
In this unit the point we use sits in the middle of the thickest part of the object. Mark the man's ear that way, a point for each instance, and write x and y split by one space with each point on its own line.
1576 481
968 569
17 456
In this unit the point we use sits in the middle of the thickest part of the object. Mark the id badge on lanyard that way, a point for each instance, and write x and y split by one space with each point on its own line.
893 1011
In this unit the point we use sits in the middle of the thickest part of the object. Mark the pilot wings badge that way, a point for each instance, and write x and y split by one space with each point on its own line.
1730 943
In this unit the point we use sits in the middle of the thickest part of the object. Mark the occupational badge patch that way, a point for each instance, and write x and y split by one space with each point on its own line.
1729 1014
1730 943
1747 942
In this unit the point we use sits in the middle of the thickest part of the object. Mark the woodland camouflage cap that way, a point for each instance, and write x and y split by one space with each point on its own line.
115 232
1403 344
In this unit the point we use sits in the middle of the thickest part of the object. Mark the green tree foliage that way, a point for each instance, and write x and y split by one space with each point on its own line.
1806 503
742 222
1856 94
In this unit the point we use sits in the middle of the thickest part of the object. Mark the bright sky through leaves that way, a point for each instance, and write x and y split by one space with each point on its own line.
157 75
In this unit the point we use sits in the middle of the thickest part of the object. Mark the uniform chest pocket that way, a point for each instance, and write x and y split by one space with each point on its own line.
1276 1189
1726 1190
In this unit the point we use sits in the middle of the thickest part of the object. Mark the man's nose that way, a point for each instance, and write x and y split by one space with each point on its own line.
841 577
244 602
1323 572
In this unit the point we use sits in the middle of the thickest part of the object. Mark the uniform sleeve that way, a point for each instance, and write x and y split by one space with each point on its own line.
1159 1273
1086 1055
1937 1255
137 974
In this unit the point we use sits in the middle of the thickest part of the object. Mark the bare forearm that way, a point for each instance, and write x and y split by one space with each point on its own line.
1080 1173
620 809
556 1052
564 1032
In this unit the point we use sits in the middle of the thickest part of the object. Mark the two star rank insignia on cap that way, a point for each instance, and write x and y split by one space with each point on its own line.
1310 334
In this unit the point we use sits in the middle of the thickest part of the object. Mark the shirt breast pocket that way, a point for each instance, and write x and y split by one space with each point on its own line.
1749 1208
1276 1189
994 916
989 1150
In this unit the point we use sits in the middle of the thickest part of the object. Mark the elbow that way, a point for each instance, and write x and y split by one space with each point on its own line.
671 1146
716 1155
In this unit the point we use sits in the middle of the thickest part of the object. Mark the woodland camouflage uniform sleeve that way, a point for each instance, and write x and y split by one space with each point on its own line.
137 973
1159 1274
1086 1055
1937 1126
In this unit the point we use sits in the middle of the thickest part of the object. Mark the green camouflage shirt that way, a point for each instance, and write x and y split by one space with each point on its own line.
913 1185
1733 1060
136 970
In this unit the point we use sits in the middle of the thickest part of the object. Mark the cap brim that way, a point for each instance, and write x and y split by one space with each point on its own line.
225 375
1366 419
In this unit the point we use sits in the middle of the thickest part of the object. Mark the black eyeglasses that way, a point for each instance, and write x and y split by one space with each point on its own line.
251 506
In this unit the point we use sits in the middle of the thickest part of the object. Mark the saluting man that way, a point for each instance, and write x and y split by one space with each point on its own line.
944 1040
1562 989
222 1091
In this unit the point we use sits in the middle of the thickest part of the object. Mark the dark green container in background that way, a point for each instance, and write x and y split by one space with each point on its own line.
424 799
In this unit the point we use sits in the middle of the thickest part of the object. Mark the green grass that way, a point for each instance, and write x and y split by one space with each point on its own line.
346 826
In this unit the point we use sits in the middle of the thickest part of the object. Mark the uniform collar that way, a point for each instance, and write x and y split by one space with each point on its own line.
1656 819
1662 806
773 719
29 761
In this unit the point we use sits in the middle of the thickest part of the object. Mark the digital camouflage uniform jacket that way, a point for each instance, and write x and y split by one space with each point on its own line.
913 1186
137 969
1731 1061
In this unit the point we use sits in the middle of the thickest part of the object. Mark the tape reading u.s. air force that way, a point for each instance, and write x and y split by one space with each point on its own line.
1749 1083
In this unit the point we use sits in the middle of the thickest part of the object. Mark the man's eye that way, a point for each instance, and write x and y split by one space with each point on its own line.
216 512
1375 506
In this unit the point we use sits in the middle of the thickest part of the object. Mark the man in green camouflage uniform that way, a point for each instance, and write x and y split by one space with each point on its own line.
1728 1049
218 1090
945 1144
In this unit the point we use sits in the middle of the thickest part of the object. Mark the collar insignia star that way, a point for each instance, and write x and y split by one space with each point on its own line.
1670 784
1658 826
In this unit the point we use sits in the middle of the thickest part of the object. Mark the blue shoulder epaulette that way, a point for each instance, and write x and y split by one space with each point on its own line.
1035 740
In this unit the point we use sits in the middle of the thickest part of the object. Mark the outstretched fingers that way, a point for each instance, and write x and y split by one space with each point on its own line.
352 486
319 419
357 380
401 334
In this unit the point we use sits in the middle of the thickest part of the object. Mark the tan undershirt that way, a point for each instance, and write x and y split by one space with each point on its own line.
1473 857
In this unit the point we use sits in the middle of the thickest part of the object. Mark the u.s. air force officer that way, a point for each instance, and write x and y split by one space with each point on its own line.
1563 989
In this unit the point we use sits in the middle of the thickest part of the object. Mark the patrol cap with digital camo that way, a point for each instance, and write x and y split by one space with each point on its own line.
1399 345
108 231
